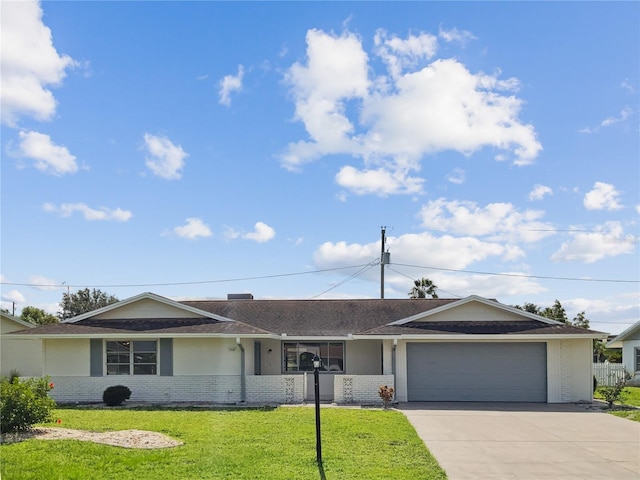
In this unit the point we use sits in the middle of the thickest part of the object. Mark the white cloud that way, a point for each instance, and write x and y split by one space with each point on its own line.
433 253
604 196
609 313
457 176
13 296
230 84
91 214
419 108
378 181
262 233
413 249
628 86
609 240
43 283
454 35
539 192
193 229
47 156
497 221
165 159
625 113
29 63
399 54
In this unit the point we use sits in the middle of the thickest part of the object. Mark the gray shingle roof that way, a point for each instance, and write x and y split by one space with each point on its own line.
306 318
318 317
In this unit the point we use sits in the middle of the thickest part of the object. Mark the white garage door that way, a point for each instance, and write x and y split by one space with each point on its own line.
477 372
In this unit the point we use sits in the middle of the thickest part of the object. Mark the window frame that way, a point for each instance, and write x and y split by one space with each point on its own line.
134 367
310 347
636 359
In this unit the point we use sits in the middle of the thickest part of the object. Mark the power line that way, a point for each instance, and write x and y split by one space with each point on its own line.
520 275
411 278
310 272
240 279
351 277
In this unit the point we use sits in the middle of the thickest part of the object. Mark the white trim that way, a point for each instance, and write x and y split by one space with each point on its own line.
482 337
149 335
621 337
475 298
147 296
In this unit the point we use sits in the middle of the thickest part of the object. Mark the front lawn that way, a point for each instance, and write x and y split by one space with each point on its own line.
250 444
631 397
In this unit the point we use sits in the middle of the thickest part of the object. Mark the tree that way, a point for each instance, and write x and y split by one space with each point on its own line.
580 320
556 312
37 316
423 288
83 301
529 307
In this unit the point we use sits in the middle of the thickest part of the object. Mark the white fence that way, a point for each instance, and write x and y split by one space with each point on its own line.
608 374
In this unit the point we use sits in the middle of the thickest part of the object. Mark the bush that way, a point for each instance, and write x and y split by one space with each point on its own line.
116 395
616 392
24 403
595 383
386 394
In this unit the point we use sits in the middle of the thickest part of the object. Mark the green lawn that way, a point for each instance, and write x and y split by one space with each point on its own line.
249 444
631 397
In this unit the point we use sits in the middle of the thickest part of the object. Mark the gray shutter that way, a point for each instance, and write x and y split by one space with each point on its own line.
95 357
166 357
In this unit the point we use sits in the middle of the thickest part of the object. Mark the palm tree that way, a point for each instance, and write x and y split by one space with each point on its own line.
423 288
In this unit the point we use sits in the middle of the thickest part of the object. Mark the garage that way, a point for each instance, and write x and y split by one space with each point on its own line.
477 372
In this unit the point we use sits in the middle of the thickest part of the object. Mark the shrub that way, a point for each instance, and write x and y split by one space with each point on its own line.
595 383
24 403
116 395
616 392
386 394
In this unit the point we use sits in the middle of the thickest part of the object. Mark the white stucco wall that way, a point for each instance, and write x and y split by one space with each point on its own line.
206 356
629 359
472 311
146 308
271 361
69 357
363 357
23 356
569 370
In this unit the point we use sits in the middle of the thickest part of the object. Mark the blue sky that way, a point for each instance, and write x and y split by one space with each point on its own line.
195 149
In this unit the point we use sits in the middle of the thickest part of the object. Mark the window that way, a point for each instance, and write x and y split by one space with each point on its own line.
138 357
637 359
298 356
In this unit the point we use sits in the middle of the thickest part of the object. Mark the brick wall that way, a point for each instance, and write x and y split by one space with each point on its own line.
150 388
359 389
275 388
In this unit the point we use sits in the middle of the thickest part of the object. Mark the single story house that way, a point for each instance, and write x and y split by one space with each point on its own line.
629 341
19 355
246 350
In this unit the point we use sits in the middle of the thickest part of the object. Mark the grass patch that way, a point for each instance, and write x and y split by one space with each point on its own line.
630 398
278 444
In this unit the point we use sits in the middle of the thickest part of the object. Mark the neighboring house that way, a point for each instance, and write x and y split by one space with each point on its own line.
23 356
629 341
245 350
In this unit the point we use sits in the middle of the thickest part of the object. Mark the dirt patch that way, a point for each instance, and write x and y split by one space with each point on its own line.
122 438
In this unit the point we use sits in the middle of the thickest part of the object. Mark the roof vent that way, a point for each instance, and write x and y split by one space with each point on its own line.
239 296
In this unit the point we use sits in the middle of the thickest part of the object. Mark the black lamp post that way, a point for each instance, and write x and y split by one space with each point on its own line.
316 366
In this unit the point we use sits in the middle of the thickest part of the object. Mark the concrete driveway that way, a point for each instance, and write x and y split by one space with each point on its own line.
527 441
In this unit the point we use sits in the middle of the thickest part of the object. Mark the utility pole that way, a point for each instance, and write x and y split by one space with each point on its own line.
384 259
